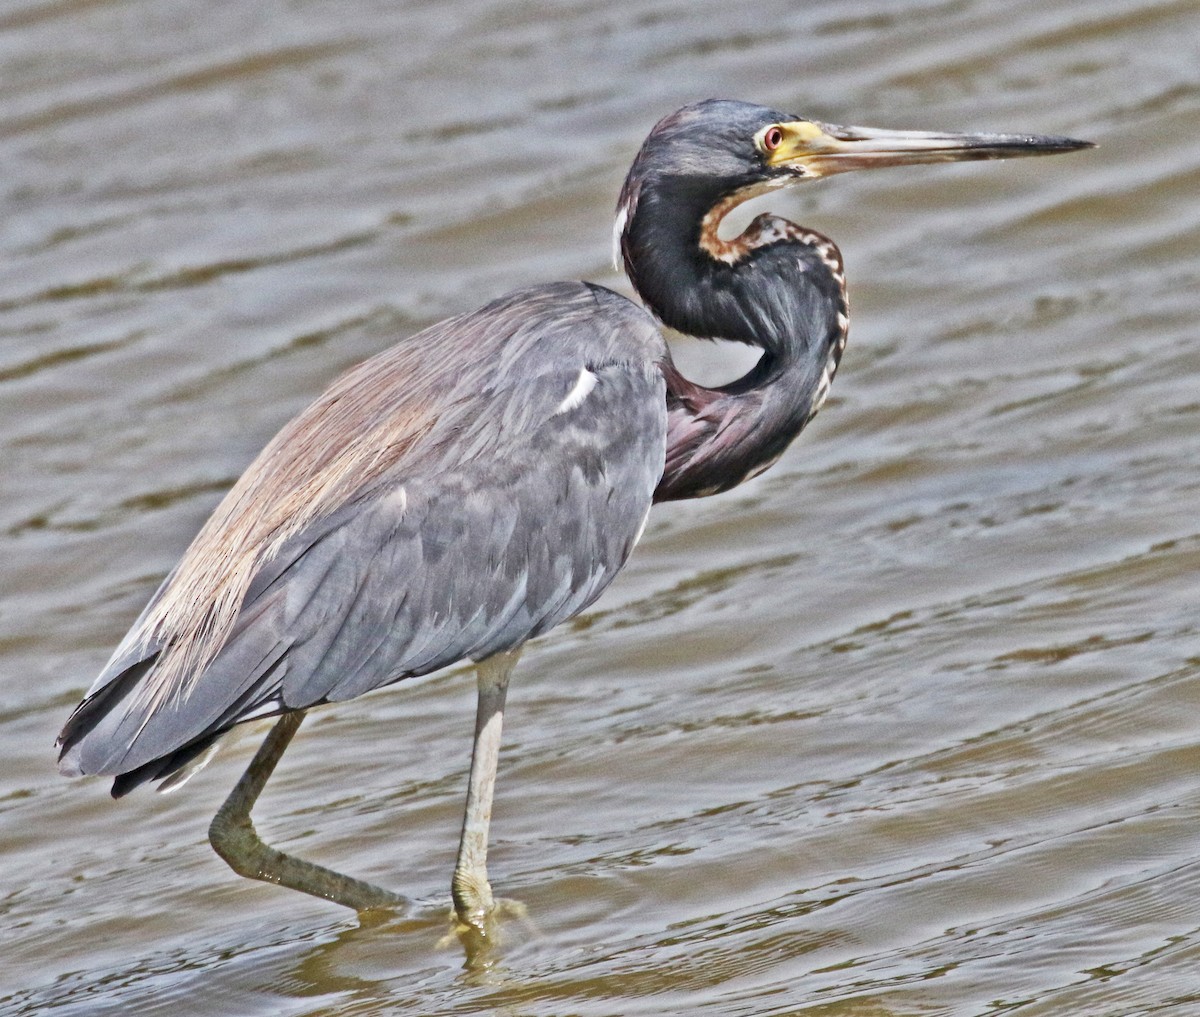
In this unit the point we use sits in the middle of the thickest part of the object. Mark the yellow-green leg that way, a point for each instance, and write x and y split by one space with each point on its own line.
234 838
473 900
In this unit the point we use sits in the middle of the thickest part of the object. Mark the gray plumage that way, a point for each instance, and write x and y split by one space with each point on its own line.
486 479
505 514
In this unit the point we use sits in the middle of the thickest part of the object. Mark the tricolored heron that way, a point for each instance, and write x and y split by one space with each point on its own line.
485 479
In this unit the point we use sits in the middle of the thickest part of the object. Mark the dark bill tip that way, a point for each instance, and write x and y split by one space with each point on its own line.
1032 144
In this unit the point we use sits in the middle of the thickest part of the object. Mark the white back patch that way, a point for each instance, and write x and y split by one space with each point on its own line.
618 232
640 530
583 386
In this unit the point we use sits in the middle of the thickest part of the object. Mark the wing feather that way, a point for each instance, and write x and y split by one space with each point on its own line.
493 509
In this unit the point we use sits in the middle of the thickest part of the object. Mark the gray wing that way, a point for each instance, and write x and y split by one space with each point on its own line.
526 499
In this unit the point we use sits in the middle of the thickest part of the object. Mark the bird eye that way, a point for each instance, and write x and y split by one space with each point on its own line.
772 138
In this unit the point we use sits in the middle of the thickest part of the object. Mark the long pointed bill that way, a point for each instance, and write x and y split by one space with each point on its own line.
814 149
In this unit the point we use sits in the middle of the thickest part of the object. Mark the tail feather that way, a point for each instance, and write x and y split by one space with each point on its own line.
122 731
101 703
166 767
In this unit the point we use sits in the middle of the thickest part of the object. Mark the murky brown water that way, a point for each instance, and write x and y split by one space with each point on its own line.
907 726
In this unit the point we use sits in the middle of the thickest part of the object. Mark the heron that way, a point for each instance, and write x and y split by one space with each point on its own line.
485 479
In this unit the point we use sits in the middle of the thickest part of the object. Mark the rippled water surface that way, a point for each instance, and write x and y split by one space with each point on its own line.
906 726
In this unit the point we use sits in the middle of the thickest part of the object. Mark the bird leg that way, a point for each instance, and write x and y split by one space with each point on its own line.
234 838
473 901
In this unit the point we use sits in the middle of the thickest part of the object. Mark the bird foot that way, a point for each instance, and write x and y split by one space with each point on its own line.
479 933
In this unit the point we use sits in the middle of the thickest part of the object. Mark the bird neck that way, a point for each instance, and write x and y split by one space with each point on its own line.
777 286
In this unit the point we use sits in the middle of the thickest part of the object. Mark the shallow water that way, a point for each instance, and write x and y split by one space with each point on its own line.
906 726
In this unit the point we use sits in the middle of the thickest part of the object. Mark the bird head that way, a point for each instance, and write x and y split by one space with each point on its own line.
720 152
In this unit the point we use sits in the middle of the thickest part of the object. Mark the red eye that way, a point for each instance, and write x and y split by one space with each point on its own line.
772 138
